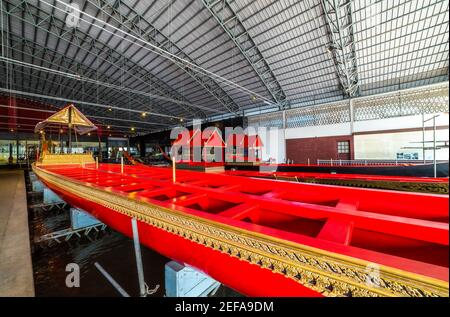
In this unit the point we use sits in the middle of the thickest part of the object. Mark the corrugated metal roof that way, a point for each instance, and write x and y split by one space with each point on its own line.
398 44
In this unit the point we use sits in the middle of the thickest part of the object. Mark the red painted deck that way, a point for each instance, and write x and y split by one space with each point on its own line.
406 231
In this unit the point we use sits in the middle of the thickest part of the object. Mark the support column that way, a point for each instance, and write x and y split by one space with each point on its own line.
434 147
423 138
107 148
17 148
10 158
142 147
352 116
352 129
284 136
99 155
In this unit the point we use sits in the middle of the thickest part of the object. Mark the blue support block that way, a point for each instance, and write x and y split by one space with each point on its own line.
37 185
81 219
50 197
185 281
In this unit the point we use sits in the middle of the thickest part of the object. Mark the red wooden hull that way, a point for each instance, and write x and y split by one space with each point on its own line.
406 233
242 276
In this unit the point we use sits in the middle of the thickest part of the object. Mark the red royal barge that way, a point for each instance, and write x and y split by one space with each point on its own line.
263 237
268 238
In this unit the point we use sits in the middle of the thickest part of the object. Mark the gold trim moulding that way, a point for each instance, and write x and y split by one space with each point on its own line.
328 273
77 158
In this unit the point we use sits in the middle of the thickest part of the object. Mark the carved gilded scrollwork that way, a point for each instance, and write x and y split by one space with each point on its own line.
328 273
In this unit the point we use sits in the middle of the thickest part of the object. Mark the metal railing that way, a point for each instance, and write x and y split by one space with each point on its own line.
368 162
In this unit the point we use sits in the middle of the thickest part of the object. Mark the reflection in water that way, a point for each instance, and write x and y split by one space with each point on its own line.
113 251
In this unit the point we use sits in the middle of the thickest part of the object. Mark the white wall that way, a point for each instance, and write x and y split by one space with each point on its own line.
274 144
306 132
368 146
387 145
406 122
319 131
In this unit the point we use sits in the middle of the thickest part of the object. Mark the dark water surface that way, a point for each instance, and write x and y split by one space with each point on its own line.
112 250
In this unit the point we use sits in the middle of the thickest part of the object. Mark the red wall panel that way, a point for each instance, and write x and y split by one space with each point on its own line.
324 148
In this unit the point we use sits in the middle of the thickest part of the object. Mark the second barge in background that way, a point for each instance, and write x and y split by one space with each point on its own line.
386 169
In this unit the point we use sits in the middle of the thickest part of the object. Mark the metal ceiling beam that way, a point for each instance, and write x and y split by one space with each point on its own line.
65 64
25 81
42 21
81 102
233 26
338 18
54 25
197 110
140 27
37 120
93 117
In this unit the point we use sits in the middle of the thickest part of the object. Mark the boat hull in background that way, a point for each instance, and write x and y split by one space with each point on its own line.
417 170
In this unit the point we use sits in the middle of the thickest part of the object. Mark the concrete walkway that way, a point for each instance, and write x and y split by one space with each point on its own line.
16 271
